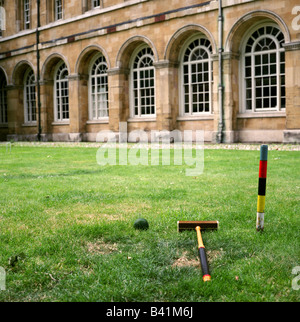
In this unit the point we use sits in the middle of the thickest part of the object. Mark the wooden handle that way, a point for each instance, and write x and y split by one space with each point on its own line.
202 254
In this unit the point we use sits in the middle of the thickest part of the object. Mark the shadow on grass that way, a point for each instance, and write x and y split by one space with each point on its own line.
71 173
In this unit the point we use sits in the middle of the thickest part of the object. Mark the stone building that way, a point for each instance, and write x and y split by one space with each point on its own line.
72 68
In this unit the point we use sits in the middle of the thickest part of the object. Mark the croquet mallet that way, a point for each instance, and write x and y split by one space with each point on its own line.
198 226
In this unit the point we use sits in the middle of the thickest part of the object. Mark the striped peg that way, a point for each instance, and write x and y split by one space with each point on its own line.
261 199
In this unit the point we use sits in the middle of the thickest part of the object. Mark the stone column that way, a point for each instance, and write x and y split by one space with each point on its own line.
47 110
14 113
77 107
231 94
214 98
166 95
118 97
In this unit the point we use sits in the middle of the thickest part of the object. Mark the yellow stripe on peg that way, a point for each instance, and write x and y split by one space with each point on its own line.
261 202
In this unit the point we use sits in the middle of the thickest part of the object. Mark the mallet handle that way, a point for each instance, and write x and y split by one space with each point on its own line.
202 255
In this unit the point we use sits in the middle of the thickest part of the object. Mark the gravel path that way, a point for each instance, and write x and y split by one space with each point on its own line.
255 147
232 146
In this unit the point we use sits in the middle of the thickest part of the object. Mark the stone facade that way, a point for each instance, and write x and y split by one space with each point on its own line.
116 30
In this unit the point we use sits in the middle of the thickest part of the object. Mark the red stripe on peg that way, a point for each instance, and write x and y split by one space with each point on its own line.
263 169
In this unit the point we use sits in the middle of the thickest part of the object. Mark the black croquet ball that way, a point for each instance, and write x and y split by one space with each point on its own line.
141 224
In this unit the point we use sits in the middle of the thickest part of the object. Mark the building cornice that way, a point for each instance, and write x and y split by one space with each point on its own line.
292 46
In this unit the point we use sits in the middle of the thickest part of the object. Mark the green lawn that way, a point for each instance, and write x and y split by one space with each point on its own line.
66 227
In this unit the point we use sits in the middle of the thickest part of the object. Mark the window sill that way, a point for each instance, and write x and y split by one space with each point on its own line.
252 115
4 125
61 123
32 124
203 117
99 121
141 119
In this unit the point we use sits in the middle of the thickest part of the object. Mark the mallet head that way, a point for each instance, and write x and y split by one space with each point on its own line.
191 225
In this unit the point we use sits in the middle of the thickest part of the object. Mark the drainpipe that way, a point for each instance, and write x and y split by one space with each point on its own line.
221 85
39 136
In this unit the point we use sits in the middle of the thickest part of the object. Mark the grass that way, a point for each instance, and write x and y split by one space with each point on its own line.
67 227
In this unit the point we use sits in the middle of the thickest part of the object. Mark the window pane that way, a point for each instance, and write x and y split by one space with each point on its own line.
58 9
248 61
248 72
95 3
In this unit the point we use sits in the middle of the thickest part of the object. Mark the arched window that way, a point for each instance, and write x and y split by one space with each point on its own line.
61 93
98 89
196 77
29 97
143 83
264 70
3 100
